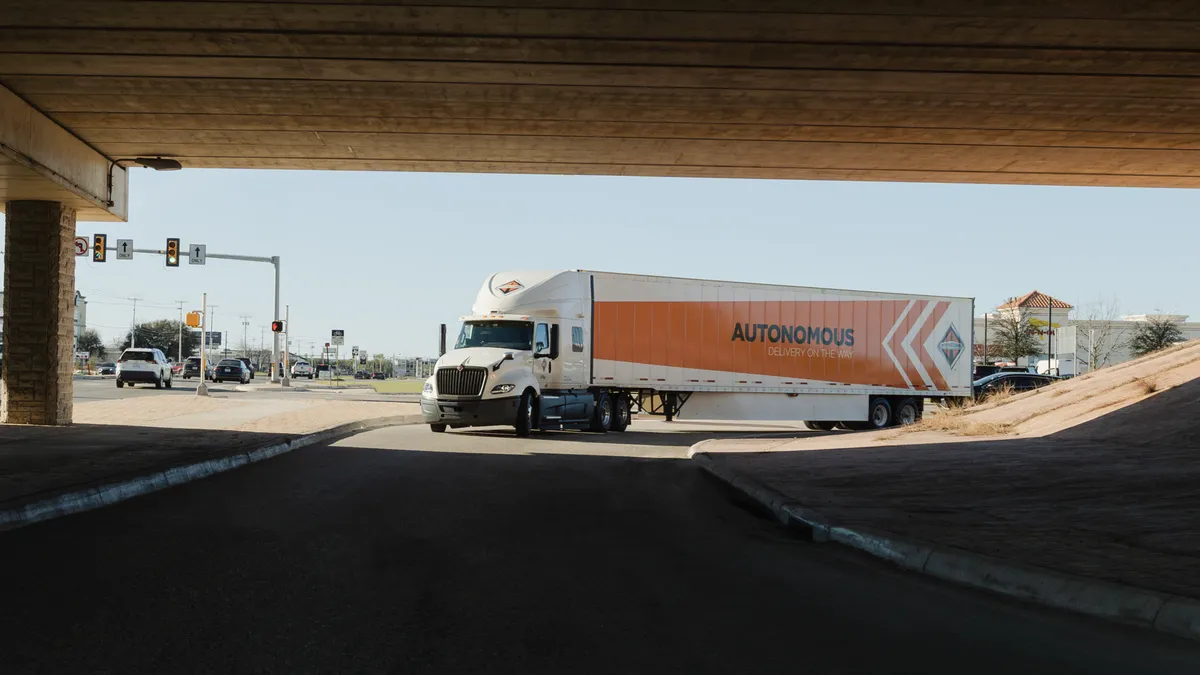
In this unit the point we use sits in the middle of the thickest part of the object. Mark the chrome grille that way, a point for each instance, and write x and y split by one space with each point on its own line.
461 382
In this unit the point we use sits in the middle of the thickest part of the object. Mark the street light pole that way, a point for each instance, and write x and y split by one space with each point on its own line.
275 336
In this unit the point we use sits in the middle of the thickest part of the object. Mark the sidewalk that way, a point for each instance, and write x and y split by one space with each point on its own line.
120 439
1114 498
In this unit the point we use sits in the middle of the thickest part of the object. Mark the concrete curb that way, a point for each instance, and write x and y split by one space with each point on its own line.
1162 612
106 495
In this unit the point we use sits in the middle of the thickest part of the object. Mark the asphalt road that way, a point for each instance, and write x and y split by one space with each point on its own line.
408 552
106 389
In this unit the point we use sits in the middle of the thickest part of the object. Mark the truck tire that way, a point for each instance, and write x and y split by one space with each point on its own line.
820 426
879 414
620 413
525 415
437 428
602 413
906 412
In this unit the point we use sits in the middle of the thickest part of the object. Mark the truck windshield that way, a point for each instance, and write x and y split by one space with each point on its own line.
499 334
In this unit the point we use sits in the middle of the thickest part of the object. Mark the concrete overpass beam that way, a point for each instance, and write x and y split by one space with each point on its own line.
39 312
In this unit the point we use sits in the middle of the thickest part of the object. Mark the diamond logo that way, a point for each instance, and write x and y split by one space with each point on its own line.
951 346
509 287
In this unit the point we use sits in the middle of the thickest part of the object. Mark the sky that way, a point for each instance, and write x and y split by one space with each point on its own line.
388 256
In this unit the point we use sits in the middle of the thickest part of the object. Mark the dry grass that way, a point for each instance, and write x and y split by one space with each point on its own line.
1146 385
953 421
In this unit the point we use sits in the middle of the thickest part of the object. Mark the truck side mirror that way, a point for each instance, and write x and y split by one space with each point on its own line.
553 341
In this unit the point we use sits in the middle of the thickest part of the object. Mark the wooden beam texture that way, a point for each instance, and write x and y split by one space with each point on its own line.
1079 92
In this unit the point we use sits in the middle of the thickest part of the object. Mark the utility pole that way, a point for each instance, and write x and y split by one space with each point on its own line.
202 388
245 327
133 330
287 344
180 330
213 309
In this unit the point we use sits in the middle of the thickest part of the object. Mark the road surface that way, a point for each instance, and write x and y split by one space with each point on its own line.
408 552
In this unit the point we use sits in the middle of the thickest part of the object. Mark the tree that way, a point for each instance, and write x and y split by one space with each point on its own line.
1096 336
1154 334
89 341
164 334
383 364
1013 335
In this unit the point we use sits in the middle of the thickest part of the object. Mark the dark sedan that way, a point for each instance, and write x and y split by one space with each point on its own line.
108 369
379 376
231 370
1017 382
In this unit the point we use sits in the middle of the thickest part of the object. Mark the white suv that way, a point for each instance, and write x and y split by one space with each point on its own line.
143 365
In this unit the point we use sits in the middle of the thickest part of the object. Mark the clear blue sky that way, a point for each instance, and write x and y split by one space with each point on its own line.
388 256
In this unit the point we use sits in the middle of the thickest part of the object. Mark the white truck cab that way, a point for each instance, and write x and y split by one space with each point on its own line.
523 359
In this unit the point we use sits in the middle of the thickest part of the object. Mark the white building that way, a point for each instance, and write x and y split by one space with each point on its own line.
1077 344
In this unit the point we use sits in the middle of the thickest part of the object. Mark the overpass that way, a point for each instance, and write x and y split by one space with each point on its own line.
1078 92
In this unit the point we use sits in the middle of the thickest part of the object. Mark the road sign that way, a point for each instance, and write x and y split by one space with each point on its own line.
338 337
124 249
212 338
81 246
197 253
354 350
99 247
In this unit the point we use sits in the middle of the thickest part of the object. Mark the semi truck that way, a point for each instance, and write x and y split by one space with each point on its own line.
582 349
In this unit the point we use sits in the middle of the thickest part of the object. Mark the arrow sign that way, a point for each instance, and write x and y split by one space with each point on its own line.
124 249
81 246
198 251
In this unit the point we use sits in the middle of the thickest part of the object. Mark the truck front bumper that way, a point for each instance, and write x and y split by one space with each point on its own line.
478 413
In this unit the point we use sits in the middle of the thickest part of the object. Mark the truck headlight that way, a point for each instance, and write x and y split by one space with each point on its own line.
428 390
503 388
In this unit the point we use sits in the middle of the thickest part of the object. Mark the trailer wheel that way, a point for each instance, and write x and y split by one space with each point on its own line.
906 412
524 423
602 413
879 416
820 426
620 420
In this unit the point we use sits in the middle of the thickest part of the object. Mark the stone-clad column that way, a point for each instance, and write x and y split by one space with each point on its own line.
39 296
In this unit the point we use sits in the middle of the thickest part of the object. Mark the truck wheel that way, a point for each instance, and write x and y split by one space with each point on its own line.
524 423
437 428
879 415
820 426
906 412
602 413
621 413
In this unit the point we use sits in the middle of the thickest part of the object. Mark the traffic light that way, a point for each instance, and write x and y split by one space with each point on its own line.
172 252
276 326
99 247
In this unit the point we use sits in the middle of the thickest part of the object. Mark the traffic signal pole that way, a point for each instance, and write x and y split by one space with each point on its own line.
273 260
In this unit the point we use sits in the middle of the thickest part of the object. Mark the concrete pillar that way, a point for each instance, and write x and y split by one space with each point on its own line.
39 293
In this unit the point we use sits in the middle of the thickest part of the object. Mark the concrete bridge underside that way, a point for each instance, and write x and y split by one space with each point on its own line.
1075 92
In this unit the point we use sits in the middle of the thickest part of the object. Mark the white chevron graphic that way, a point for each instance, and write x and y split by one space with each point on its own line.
906 343
886 340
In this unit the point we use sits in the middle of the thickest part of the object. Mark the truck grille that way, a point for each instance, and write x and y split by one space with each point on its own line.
464 382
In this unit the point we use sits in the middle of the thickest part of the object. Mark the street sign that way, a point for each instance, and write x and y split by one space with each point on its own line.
81 246
212 338
338 337
124 249
354 350
198 251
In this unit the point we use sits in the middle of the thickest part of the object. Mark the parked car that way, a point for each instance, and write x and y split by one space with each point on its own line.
982 371
302 369
362 375
379 376
249 366
231 370
146 365
191 368
176 368
1018 382
108 369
